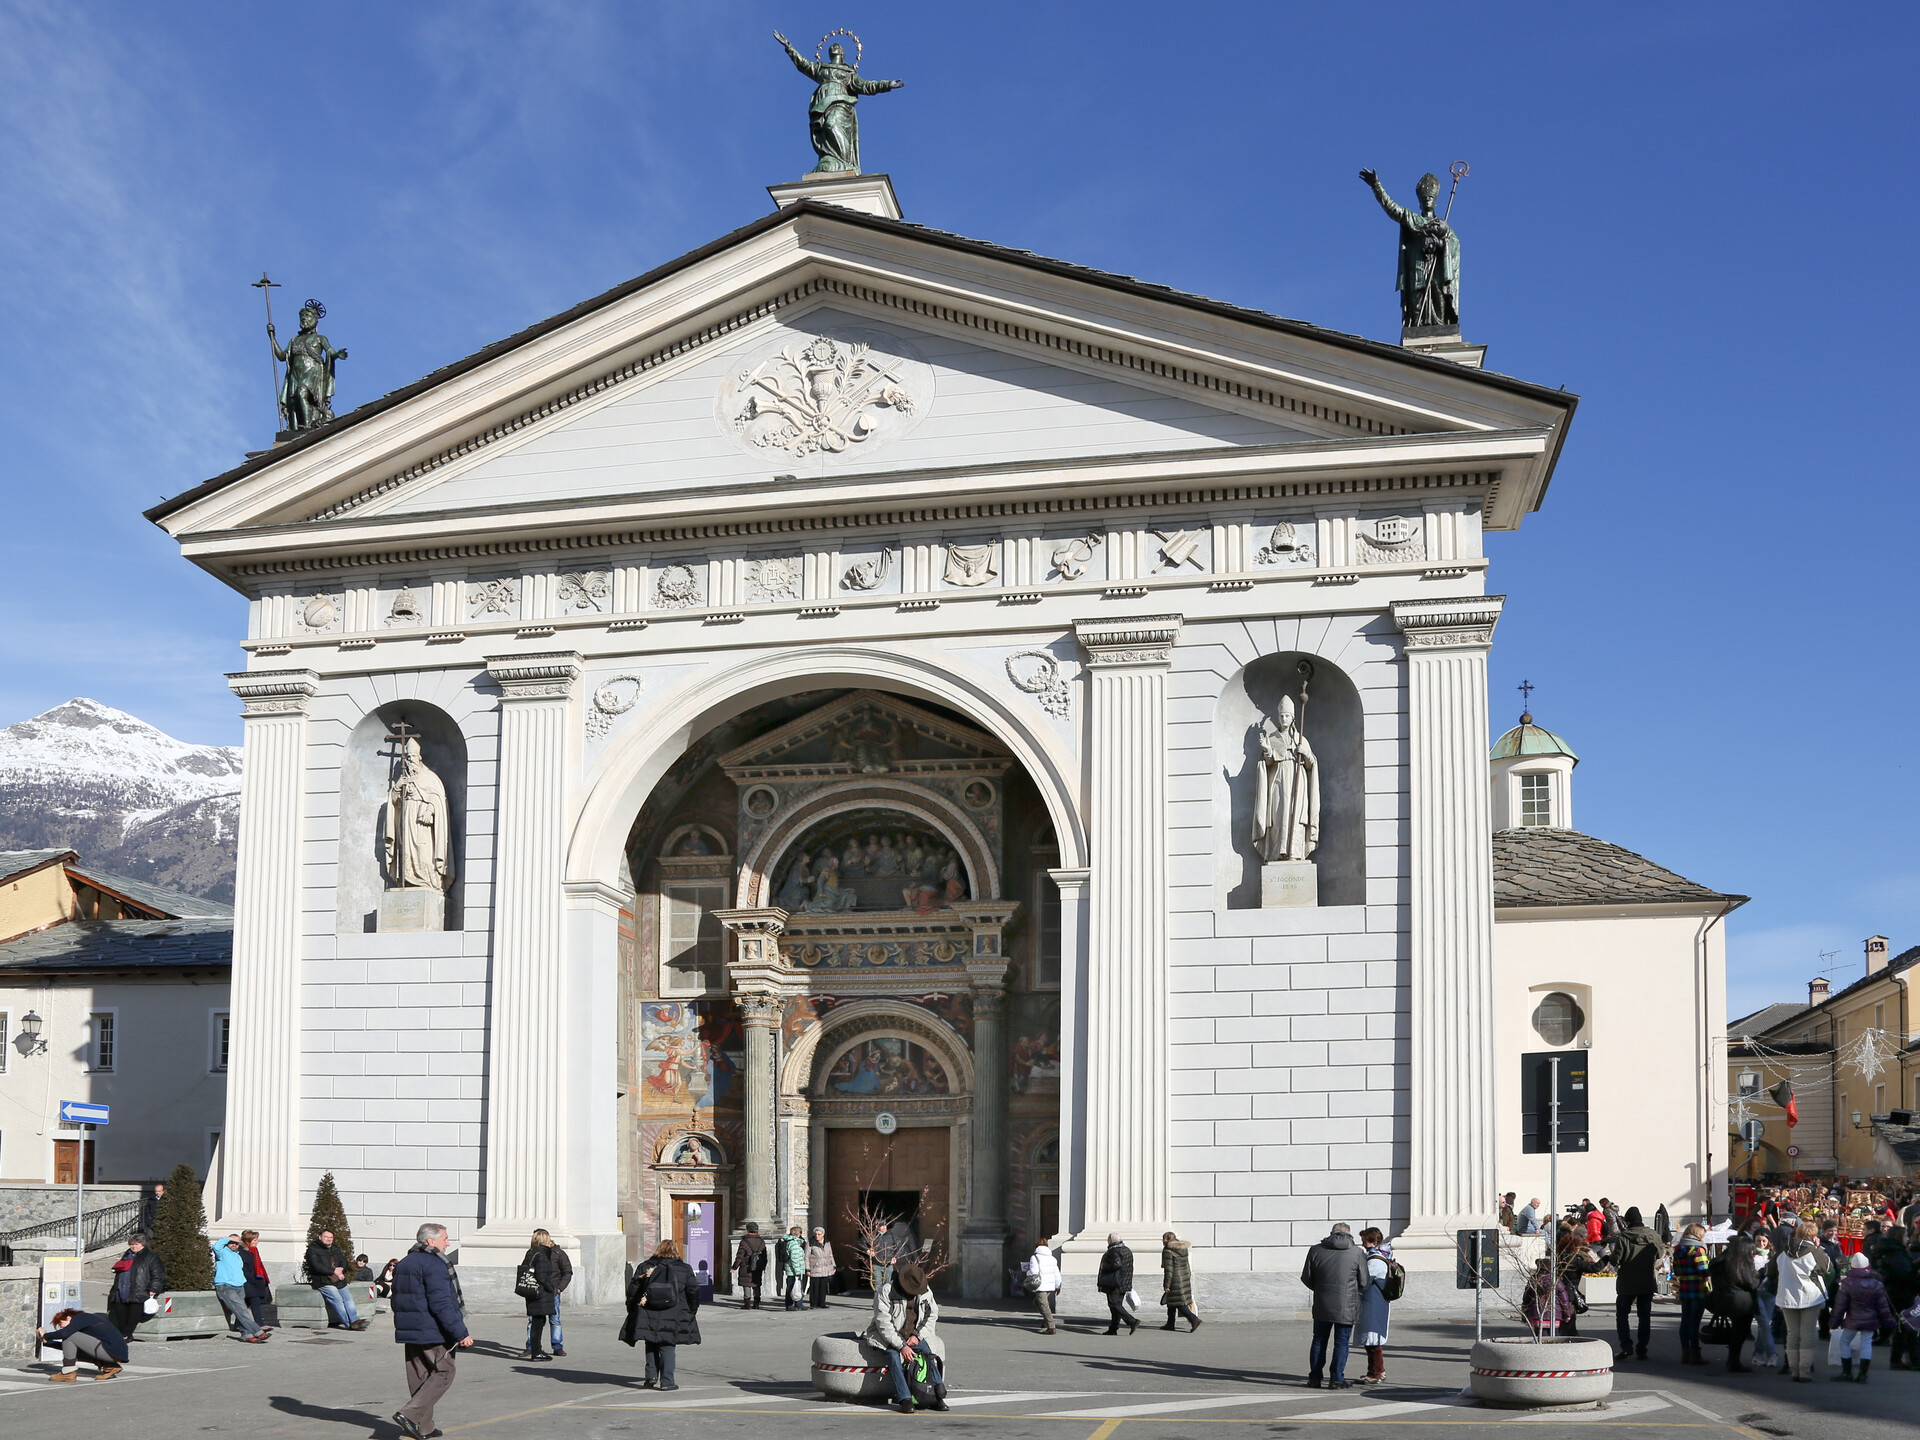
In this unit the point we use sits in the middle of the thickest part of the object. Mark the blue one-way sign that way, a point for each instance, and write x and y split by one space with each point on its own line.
82 1112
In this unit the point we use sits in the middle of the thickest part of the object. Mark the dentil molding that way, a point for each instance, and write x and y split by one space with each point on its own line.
1136 640
549 675
273 692
1448 624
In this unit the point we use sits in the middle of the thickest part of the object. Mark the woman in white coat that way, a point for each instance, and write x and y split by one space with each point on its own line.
1043 1283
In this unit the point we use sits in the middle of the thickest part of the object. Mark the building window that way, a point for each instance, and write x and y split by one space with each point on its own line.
221 1037
100 1061
1880 1016
1879 1099
1839 1032
1046 932
1558 1018
5 1036
1536 800
694 942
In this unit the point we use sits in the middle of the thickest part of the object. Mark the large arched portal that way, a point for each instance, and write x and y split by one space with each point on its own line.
841 969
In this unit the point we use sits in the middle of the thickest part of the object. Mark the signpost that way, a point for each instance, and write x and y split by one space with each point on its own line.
82 1115
1478 1252
1553 1103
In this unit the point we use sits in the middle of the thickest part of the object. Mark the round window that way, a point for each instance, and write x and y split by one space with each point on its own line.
1558 1018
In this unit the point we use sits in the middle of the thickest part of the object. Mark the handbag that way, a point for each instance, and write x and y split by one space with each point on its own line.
1580 1303
526 1284
1717 1331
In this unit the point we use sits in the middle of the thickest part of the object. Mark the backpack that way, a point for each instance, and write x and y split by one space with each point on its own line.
924 1382
1395 1285
661 1291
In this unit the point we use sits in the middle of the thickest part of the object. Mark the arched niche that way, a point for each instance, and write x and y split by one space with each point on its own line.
366 775
813 1056
763 868
1334 727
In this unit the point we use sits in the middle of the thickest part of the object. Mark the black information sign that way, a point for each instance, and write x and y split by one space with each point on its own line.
1487 1243
1536 1113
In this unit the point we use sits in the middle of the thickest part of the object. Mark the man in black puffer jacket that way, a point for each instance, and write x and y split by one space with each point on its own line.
328 1272
1116 1279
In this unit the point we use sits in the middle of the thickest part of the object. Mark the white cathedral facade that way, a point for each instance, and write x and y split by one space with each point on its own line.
836 664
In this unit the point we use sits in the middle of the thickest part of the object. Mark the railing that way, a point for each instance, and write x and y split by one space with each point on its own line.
100 1228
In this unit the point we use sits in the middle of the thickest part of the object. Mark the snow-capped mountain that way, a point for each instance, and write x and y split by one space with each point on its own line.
128 797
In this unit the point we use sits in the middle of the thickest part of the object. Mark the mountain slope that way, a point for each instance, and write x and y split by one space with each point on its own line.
127 796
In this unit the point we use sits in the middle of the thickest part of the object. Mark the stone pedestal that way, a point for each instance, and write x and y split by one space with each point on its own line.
870 194
412 910
1285 883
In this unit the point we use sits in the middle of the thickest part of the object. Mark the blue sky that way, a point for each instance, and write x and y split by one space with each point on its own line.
1697 217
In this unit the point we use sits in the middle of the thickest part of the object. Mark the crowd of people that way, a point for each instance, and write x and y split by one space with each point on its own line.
1780 1280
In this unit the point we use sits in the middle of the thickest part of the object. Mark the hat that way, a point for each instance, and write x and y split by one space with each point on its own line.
1860 1262
911 1279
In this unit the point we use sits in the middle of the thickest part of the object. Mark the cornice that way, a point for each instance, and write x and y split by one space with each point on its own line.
814 521
547 675
1448 624
1132 640
273 692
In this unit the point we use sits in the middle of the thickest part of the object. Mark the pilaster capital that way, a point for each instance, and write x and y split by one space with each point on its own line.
1465 623
1133 640
767 920
761 1012
595 895
549 675
1070 882
757 971
266 693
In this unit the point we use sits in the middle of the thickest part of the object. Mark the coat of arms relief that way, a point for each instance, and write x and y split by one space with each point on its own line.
824 397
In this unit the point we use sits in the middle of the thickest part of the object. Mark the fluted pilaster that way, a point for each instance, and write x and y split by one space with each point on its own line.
527 1118
261 1141
1125 1165
1452 1051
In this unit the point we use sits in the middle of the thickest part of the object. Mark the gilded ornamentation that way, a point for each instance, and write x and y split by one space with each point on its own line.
1038 674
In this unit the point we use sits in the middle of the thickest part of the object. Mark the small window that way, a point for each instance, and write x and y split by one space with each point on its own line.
221 1037
1879 1099
5 1036
1046 932
1839 1032
1536 800
1880 1016
1558 1018
104 1043
694 940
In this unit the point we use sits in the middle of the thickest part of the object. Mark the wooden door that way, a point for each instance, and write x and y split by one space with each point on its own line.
66 1153
910 1167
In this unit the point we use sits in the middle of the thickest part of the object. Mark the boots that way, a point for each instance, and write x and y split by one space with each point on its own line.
1861 1378
1846 1370
1690 1355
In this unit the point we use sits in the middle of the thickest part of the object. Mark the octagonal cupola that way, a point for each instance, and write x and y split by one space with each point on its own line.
1532 778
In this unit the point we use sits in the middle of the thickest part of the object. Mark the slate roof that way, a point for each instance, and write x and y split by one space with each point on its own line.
176 903
82 945
19 862
943 238
1536 865
1767 1018
1904 1140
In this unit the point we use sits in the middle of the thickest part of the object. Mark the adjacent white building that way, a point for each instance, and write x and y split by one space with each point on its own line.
971 580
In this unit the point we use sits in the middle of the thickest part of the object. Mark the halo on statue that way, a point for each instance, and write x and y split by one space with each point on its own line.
820 49
318 309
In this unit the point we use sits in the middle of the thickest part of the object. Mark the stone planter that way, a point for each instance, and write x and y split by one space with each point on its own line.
1523 1375
847 1367
299 1307
196 1314
1600 1290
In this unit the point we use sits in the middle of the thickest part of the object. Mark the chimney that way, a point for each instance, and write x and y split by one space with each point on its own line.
1816 990
1876 954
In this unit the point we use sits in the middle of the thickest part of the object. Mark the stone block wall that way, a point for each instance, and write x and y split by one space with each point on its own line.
19 1310
22 1205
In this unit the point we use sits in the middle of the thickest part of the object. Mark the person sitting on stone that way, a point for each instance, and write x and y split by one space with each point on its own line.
905 1315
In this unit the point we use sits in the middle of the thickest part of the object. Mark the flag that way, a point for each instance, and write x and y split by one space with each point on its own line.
1782 1095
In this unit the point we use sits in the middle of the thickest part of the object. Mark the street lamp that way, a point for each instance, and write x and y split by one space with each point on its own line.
1856 1120
31 1043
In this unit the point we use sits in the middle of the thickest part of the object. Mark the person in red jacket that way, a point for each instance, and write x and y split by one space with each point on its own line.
1596 1225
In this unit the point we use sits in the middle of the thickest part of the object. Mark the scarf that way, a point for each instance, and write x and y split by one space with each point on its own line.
453 1271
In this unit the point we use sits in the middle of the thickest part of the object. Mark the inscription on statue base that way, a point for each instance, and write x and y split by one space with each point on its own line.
412 909
1285 883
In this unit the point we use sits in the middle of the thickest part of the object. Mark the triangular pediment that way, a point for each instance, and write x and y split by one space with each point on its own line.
698 391
865 726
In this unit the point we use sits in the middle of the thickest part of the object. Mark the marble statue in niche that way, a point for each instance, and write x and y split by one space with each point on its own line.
416 841
1286 813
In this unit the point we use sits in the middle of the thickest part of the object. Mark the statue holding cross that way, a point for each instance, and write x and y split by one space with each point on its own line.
1429 276
417 822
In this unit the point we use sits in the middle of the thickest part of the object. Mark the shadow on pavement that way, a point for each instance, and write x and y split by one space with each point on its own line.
380 1425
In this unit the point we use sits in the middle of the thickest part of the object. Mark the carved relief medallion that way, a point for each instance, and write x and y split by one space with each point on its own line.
494 598
1038 673
773 580
972 564
405 609
1285 547
826 396
1395 539
677 588
611 699
582 590
869 574
1071 557
319 612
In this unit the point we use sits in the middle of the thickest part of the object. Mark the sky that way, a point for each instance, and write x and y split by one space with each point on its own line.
1695 217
